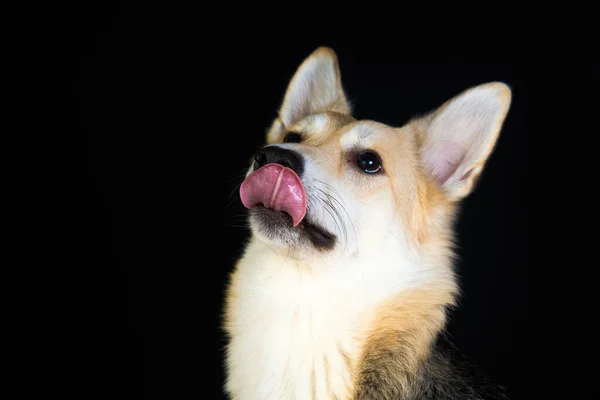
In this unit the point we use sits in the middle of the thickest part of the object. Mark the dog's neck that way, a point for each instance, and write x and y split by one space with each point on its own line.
293 316
368 275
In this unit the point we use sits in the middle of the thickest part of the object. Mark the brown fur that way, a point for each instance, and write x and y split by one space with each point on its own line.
396 357
398 340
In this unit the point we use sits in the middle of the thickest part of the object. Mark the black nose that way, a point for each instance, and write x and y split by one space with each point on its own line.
278 155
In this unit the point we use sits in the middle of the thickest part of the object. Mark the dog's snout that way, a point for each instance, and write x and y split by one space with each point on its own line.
279 155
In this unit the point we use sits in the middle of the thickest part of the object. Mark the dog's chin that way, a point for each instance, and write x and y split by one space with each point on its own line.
277 227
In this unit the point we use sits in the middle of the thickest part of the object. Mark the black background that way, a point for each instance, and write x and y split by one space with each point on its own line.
174 101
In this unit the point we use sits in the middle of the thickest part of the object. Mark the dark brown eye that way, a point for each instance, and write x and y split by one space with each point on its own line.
368 162
292 137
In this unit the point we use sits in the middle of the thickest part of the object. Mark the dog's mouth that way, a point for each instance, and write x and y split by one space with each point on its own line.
274 221
276 195
275 187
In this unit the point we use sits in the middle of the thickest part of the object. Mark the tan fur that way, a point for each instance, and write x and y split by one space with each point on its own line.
406 324
406 320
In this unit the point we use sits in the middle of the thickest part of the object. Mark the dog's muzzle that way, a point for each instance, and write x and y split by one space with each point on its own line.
275 183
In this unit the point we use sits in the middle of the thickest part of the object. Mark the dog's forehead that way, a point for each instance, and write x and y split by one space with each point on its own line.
323 125
345 130
365 132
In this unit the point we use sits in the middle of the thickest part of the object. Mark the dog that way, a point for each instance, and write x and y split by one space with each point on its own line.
343 289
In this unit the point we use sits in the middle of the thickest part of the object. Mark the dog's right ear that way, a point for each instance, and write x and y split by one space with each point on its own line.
315 87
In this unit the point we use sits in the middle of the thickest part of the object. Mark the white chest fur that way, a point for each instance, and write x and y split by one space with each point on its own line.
296 332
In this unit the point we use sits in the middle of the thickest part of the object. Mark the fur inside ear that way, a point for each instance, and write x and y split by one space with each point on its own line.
459 137
316 87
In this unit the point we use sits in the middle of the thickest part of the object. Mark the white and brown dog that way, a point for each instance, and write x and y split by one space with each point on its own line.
343 289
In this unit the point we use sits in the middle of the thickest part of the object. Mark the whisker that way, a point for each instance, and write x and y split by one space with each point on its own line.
335 215
235 190
334 198
284 260
327 207
346 212
339 217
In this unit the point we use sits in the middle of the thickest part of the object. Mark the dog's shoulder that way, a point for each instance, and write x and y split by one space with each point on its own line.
446 373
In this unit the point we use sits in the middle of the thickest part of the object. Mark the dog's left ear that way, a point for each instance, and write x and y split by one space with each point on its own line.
458 138
315 87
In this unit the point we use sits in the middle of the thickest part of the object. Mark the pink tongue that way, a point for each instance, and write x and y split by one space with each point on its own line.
276 187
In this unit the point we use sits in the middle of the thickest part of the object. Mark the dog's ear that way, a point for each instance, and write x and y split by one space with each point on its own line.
459 136
315 87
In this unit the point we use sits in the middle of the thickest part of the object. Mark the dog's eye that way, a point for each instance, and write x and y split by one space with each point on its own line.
369 162
292 137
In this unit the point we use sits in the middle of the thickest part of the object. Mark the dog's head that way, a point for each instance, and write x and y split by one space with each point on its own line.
326 182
